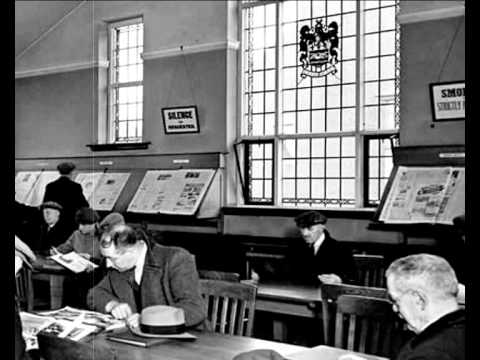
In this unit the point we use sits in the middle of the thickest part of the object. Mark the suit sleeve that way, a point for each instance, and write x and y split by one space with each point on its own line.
67 246
185 288
100 295
47 196
82 202
347 270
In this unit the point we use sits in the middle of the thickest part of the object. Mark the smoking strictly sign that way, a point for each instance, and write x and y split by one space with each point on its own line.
448 101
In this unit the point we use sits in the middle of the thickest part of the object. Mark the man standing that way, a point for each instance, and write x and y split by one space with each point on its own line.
423 290
320 257
67 193
143 274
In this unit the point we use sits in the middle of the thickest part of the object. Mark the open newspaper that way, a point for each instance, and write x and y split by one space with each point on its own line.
425 195
68 322
73 261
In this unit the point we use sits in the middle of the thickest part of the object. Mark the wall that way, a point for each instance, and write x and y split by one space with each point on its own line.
426 47
61 108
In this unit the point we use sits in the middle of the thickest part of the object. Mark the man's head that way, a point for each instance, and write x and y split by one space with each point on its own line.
51 212
65 168
311 225
110 221
87 219
421 287
121 246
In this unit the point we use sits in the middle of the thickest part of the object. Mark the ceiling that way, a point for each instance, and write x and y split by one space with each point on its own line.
34 18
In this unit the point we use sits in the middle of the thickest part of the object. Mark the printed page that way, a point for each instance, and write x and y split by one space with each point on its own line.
31 325
70 329
24 182
187 191
73 261
453 203
89 181
416 195
152 192
108 190
36 195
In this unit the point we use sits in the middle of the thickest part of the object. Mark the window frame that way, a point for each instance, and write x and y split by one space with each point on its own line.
361 136
111 122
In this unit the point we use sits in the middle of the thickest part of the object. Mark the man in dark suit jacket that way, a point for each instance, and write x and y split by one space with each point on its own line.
143 274
67 193
423 290
320 258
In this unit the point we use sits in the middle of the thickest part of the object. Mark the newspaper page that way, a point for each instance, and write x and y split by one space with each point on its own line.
187 191
453 203
72 330
73 261
36 195
152 192
24 182
416 195
89 182
104 322
31 325
108 190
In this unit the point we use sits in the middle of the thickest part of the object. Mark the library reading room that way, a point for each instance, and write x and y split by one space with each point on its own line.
239 180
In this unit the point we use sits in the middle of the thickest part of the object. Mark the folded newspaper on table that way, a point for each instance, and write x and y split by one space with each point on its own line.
73 261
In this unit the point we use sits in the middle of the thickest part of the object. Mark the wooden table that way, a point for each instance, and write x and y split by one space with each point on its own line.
208 346
328 353
55 274
289 299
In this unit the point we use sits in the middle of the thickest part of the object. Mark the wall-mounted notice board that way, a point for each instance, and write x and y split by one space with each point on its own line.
425 195
30 186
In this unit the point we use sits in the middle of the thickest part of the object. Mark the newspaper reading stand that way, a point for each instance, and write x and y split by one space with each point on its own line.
418 156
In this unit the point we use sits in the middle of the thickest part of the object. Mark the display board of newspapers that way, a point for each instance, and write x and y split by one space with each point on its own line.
178 192
30 186
425 195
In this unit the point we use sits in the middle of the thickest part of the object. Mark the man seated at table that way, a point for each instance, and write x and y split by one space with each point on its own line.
53 231
142 273
423 289
320 258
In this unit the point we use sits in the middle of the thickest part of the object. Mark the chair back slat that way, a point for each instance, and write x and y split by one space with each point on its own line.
366 324
371 269
219 275
230 306
330 294
24 289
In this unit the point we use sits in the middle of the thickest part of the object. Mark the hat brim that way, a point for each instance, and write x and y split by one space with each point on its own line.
185 335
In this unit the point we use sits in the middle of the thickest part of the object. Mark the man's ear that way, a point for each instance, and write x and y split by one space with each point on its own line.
421 299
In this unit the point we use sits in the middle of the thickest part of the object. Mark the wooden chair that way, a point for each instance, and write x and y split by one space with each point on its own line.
230 306
219 275
371 269
330 294
24 289
366 324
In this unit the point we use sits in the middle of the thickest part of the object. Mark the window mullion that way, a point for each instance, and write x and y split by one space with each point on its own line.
359 113
278 107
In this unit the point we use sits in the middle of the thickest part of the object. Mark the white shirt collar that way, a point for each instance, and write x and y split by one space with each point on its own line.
140 263
319 242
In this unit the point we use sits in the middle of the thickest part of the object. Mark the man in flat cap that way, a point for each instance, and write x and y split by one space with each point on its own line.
67 193
320 258
53 231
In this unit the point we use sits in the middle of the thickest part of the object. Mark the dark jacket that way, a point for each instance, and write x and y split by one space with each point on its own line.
26 222
442 340
53 236
332 257
170 277
69 194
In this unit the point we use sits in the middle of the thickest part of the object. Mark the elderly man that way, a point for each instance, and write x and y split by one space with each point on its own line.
423 289
320 257
142 274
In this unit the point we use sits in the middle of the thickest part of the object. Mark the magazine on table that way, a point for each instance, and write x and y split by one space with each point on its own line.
105 322
73 261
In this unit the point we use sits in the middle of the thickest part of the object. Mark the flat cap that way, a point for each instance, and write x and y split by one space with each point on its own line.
51 205
111 220
309 218
86 215
65 168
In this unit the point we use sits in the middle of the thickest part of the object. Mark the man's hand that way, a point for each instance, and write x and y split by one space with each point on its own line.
133 320
85 255
120 310
330 279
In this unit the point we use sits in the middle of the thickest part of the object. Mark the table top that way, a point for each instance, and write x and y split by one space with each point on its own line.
46 265
289 292
329 353
207 346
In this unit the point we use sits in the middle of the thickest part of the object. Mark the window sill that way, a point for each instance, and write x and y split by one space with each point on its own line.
250 210
119 146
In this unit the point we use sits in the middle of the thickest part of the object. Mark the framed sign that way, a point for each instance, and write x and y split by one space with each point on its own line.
180 120
448 101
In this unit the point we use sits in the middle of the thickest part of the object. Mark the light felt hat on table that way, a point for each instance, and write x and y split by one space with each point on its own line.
162 321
